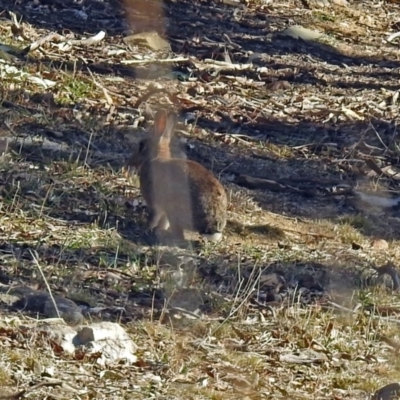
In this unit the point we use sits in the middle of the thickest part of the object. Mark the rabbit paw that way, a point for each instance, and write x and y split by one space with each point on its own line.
158 220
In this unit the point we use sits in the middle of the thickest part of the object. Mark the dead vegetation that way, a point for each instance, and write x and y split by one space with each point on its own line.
299 300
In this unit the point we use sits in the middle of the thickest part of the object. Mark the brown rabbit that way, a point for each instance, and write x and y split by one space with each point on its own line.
181 194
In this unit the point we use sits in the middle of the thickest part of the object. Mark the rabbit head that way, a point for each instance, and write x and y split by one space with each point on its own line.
157 142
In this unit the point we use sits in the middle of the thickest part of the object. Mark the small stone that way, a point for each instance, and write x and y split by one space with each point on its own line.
380 244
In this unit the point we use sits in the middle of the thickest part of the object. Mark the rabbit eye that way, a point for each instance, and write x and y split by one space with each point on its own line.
141 146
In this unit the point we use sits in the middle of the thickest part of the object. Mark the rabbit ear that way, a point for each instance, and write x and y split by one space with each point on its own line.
164 123
160 122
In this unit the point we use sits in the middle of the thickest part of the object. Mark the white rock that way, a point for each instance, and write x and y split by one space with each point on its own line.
106 338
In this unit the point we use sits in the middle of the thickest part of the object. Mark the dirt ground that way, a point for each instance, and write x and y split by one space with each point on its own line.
303 135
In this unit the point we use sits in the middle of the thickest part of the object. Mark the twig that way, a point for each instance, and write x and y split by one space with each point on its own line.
91 40
161 61
88 147
229 66
57 37
22 393
272 185
241 136
45 281
306 233
393 36
48 38
379 137
373 166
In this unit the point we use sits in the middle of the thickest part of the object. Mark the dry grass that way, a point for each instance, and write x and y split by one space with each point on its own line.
64 196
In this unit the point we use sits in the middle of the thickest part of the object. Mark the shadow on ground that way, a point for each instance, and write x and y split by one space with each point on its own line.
116 287
304 164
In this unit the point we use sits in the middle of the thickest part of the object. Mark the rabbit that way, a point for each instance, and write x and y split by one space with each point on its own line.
181 194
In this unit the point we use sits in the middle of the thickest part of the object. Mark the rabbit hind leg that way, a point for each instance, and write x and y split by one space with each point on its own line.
158 220
177 231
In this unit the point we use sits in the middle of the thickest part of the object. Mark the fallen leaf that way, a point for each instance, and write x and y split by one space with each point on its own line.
299 32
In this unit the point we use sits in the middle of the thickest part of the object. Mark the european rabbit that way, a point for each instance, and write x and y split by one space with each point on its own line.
181 194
